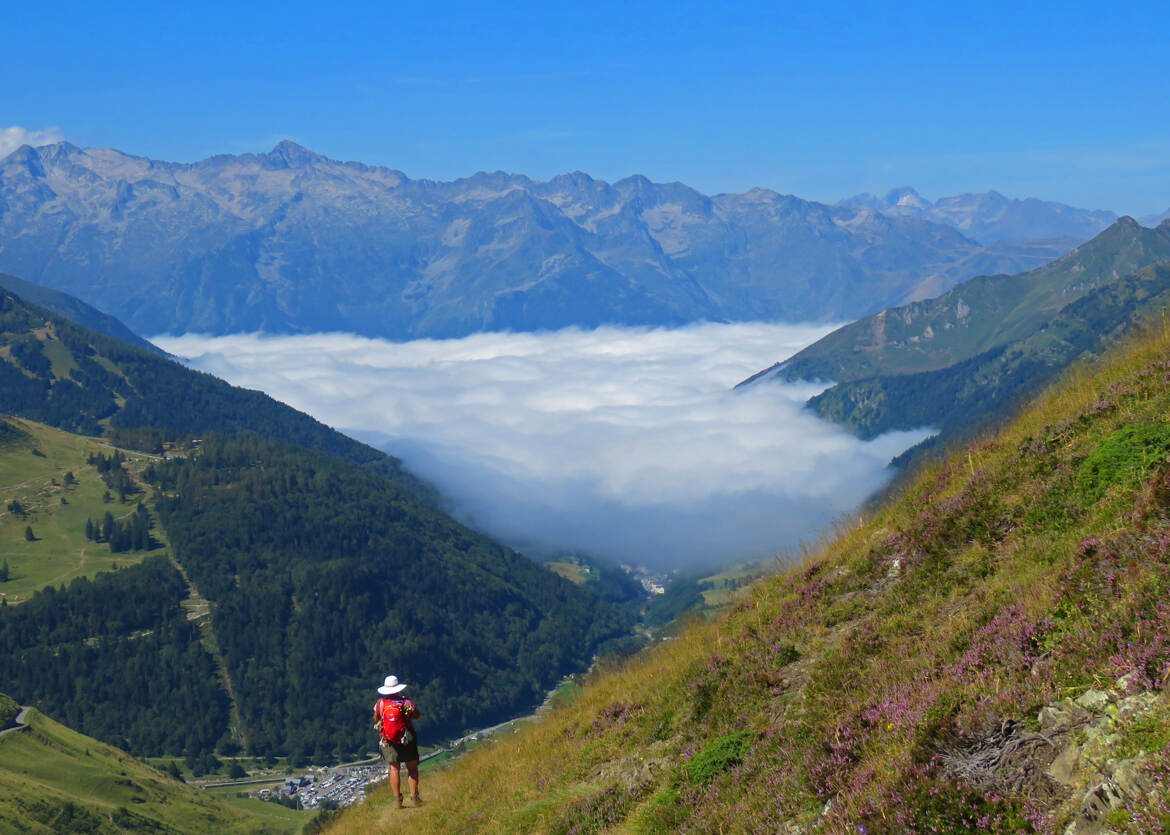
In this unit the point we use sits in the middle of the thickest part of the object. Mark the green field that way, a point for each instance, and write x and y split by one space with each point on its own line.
275 815
53 779
719 589
32 473
570 571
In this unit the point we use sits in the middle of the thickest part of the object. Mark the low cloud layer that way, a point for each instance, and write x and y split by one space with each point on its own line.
13 137
627 443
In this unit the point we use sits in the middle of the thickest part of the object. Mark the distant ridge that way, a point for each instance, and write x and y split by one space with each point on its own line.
291 241
991 217
75 310
977 315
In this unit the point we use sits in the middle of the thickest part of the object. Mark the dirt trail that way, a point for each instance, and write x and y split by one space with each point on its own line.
18 722
199 610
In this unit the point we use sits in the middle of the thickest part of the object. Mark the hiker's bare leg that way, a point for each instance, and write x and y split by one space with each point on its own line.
412 777
395 780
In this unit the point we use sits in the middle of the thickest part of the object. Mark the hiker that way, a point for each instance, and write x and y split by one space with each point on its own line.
398 744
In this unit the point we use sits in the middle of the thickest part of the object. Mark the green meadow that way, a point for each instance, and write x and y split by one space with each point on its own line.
53 779
34 463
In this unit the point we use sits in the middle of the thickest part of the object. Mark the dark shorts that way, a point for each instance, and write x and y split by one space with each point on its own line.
395 754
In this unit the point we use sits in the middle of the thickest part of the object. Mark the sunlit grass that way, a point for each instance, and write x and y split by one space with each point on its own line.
32 473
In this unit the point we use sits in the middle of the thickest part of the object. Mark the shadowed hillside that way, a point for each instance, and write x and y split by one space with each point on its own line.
987 652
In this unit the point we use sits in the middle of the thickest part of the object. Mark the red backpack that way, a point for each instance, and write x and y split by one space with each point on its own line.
393 716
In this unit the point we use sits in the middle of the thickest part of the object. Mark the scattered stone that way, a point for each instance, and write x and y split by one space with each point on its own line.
1063 715
1095 700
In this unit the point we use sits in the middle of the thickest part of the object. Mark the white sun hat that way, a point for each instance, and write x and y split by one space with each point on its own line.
391 686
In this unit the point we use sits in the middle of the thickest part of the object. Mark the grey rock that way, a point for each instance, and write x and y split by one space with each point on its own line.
1094 700
1066 769
1062 715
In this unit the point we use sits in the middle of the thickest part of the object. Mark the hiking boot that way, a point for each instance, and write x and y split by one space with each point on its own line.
416 800
400 801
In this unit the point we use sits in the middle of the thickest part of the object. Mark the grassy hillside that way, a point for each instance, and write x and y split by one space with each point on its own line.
34 463
988 652
55 780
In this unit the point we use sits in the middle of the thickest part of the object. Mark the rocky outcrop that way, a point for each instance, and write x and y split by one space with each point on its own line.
1079 760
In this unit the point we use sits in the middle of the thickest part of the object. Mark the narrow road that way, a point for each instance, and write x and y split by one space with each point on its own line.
19 720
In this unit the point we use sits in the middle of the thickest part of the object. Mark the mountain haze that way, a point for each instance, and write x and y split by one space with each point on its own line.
291 241
991 217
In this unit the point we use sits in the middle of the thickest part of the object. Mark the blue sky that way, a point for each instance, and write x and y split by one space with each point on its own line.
1057 100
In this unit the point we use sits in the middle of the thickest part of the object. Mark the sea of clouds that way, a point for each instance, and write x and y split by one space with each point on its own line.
628 443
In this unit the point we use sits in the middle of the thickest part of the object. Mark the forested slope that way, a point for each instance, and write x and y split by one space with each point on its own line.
57 372
75 310
316 567
987 653
323 581
116 658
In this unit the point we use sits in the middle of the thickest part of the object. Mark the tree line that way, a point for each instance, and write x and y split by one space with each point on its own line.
132 534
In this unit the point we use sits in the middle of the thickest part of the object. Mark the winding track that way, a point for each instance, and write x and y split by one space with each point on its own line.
19 722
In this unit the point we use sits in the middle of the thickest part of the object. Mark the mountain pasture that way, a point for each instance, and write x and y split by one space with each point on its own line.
34 464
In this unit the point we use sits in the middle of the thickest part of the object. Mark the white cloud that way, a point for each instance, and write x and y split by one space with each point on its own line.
13 137
624 442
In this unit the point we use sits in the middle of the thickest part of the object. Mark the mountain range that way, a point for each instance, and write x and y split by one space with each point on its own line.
291 241
991 217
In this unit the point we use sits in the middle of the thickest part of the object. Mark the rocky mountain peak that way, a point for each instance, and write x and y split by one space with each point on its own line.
288 154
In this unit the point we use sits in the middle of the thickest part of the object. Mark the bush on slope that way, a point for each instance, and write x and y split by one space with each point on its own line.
914 675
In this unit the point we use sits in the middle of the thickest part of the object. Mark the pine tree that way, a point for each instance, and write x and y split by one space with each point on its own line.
4 572
89 531
29 536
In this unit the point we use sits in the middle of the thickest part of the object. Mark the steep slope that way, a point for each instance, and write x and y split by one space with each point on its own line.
55 371
987 653
291 241
980 314
986 387
53 779
74 310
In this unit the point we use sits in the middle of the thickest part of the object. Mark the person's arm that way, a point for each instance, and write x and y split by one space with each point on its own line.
411 710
